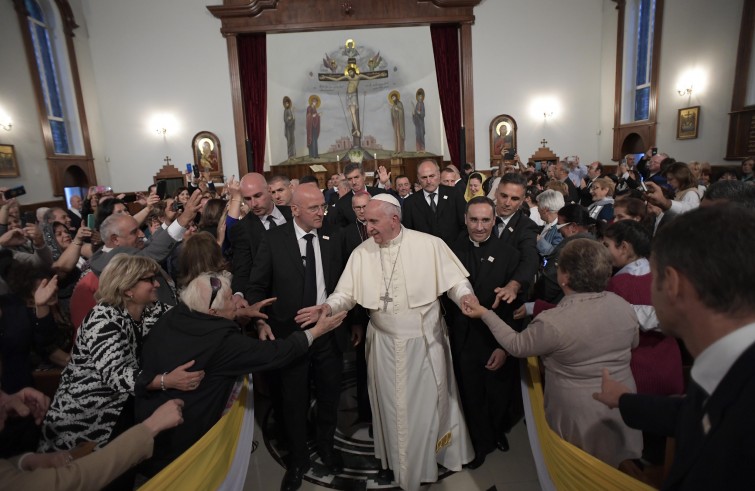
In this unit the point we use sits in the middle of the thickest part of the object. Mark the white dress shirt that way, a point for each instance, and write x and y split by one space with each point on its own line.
322 294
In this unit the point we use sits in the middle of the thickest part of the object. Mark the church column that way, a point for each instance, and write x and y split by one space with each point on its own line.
467 93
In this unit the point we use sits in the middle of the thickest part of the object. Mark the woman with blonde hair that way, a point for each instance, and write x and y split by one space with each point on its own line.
94 401
601 207
684 184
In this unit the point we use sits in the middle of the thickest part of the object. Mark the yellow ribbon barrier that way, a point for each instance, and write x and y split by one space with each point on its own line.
569 467
205 465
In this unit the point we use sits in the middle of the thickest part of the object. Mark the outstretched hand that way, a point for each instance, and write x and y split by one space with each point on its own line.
310 315
180 378
255 310
611 391
471 307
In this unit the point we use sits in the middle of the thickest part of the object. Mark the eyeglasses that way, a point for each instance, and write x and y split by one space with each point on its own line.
216 285
149 279
562 225
359 207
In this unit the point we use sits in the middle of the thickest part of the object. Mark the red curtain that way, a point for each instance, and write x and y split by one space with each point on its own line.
446 53
252 49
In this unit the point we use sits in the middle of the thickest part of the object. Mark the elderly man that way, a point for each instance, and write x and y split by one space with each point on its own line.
281 190
487 376
548 204
247 234
300 263
57 214
437 210
74 211
561 172
417 419
403 188
707 300
121 235
344 214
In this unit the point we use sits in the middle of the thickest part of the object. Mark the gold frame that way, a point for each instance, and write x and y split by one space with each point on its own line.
688 123
8 162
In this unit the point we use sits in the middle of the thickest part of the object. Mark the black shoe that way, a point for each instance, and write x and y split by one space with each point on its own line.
477 462
503 444
292 478
384 476
332 460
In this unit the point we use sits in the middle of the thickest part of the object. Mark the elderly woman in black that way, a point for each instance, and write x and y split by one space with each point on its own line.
94 400
202 328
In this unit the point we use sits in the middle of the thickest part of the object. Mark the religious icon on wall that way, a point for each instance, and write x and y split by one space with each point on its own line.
688 122
313 125
206 147
502 138
8 164
397 120
289 124
418 117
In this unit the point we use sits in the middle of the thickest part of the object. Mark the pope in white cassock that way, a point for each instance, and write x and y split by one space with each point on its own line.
398 275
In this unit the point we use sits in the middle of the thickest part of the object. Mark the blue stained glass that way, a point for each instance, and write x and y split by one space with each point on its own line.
50 77
35 11
642 104
59 137
643 40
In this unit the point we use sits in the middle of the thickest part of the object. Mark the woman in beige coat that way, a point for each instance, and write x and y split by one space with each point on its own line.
589 330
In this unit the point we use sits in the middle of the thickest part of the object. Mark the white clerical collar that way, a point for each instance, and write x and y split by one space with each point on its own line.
396 240
712 365
478 244
639 267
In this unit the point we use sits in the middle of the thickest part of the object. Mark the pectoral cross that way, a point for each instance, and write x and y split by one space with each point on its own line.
385 298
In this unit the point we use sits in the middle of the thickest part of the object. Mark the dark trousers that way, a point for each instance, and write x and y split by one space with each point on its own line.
325 361
487 399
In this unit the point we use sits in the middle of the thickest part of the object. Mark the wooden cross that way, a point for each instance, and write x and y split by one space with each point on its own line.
166 160
543 142
385 298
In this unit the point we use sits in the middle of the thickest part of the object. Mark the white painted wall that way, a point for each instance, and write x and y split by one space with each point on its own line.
158 57
140 57
698 35
526 51
18 100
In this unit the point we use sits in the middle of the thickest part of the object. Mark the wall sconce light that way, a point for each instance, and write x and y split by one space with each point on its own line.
5 121
684 91
162 124
692 80
547 107
547 115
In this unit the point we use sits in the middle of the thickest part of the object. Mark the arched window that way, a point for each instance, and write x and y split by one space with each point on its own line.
637 66
47 27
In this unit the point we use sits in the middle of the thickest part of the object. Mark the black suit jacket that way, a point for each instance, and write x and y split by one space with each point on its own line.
446 223
245 239
521 233
573 196
344 213
496 267
722 457
75 220
278 271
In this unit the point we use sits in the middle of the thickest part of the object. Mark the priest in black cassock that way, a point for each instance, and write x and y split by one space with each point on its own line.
487 375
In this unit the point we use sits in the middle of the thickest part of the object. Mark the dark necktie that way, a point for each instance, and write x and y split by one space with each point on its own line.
309 297
498 226
433 206
271 223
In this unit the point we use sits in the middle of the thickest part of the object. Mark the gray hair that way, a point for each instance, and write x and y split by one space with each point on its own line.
551 200
111 226
50 214
389 208
197 293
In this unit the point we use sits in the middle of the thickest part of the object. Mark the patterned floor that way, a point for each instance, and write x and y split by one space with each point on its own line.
352 440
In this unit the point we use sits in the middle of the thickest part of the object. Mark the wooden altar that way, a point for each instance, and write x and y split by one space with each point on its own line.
396 166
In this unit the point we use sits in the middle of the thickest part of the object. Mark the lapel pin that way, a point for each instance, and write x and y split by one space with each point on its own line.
491 259
511 229
445 196
706 424
325 237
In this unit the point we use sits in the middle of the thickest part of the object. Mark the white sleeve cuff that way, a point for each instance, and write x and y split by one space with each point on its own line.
310 337
176 231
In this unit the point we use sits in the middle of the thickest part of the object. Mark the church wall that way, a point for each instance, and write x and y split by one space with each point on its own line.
153 58
18 100
540 51
140 57
697 35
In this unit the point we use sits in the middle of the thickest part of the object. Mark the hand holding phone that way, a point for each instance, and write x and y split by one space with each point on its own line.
91 221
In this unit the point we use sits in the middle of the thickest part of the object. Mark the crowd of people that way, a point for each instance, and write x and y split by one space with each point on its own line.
439 287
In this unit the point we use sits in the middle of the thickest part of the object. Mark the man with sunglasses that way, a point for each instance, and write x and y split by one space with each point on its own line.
300 264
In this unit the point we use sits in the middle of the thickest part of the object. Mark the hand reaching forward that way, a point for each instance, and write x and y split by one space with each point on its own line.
611 391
